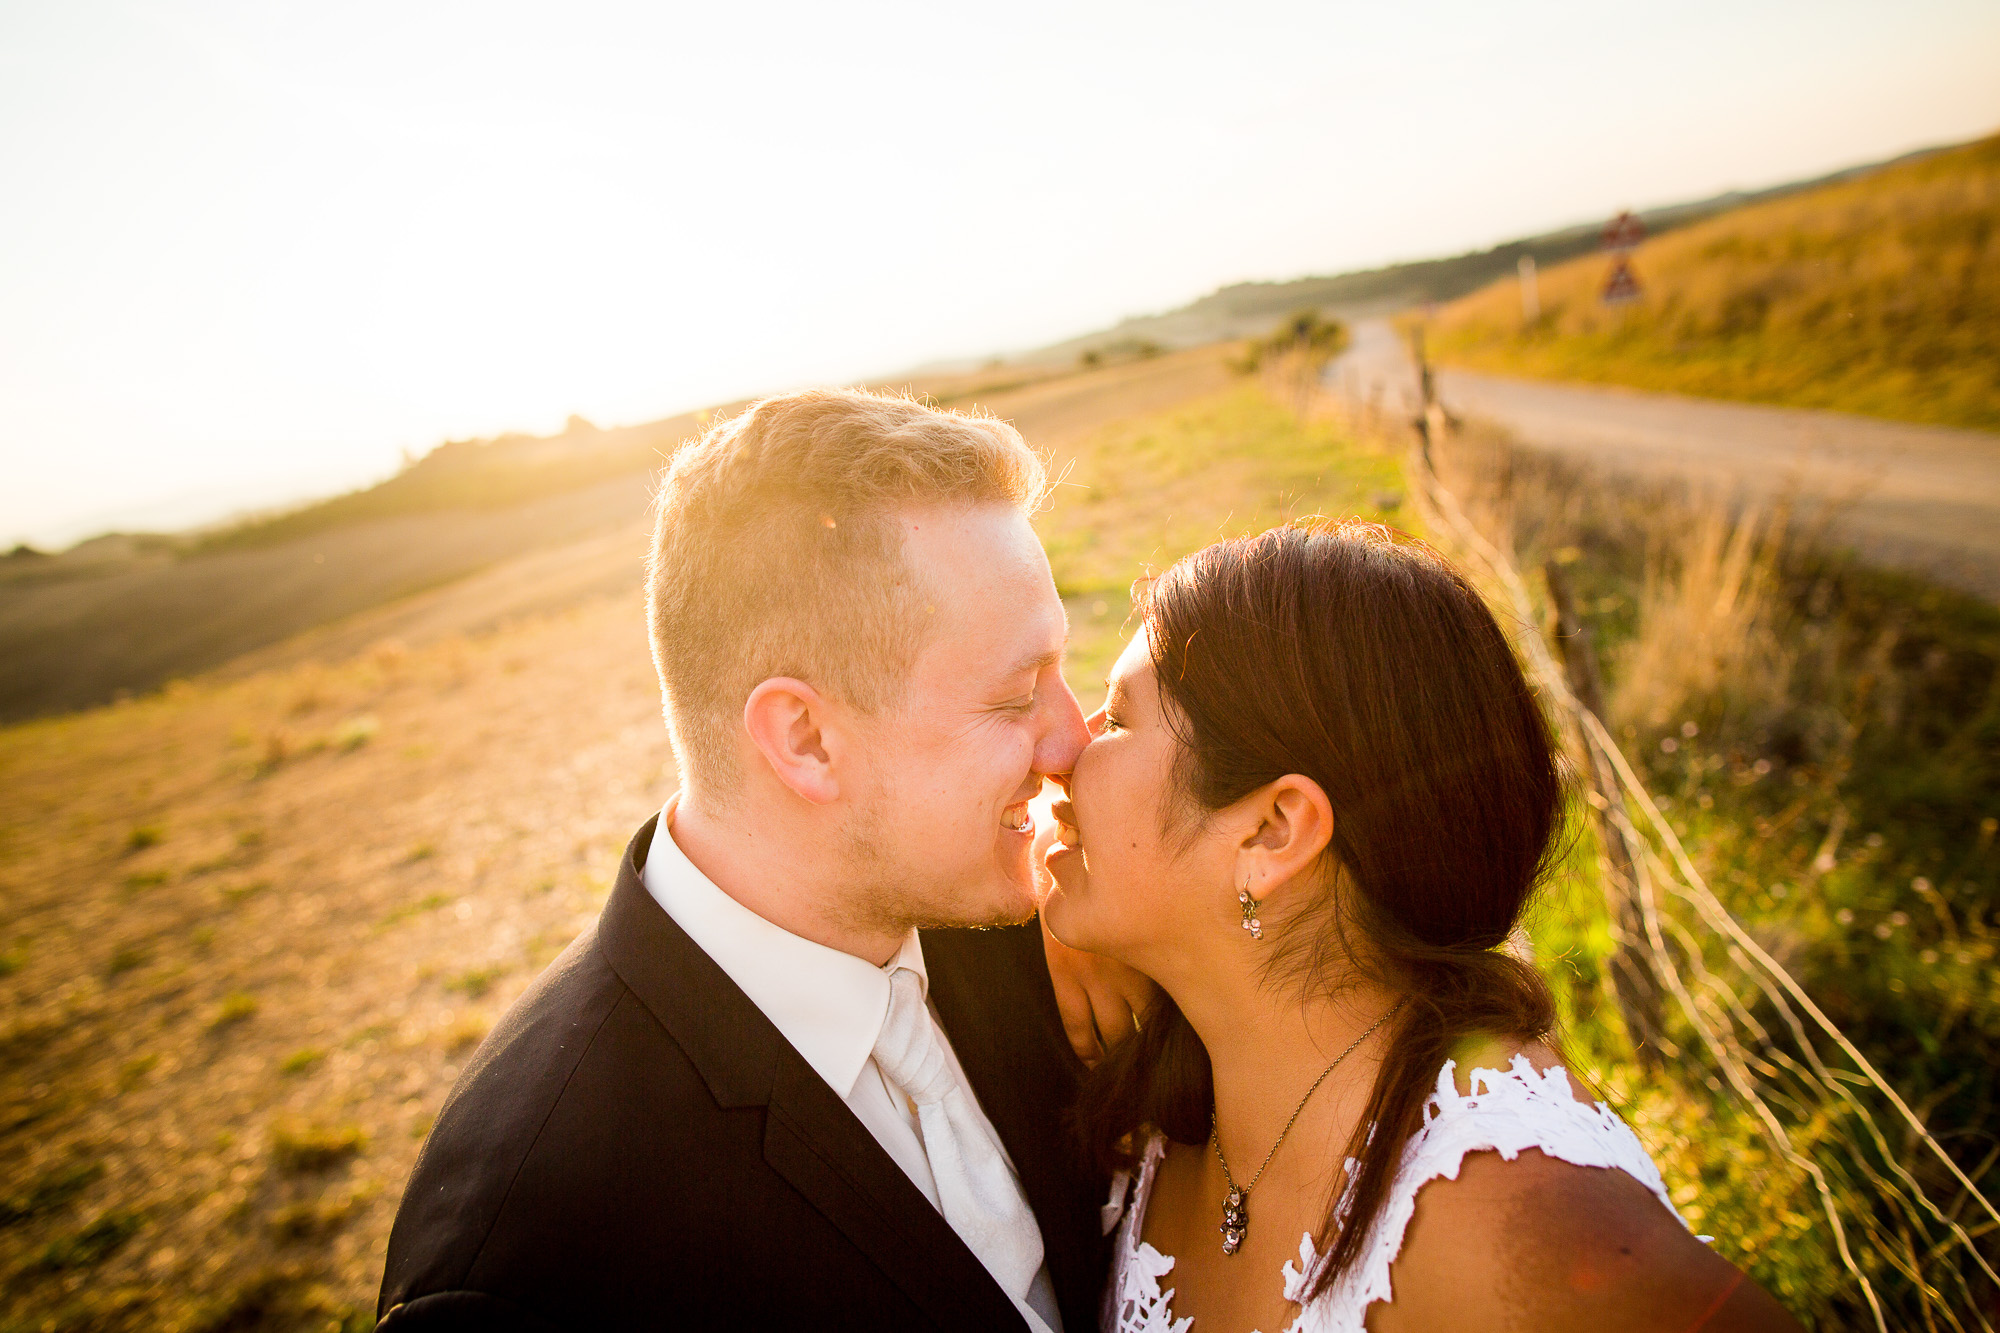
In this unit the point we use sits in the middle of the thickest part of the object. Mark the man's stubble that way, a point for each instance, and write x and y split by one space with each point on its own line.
885 893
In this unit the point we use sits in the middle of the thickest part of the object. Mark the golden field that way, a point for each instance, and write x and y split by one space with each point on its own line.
1878 295
251 924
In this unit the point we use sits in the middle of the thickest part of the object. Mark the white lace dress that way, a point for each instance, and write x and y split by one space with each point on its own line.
1506 1112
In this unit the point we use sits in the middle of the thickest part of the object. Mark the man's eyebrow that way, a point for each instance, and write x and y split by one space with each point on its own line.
1037 664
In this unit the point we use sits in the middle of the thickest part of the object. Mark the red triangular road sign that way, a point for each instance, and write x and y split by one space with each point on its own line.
1622 285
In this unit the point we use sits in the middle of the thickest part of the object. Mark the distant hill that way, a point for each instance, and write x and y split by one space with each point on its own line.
473 474
1876 294
511 470
484 530
1250 308
127 612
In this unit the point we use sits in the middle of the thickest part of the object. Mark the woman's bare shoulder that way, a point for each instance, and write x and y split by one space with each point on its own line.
1537 1242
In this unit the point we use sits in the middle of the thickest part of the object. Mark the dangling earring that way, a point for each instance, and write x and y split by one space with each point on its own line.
1250 921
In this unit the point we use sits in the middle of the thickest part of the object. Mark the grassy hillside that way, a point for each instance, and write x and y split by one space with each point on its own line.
1246 309
511 470
251 928
72 636
472 474
1878 295
1825 739
250 932
547 522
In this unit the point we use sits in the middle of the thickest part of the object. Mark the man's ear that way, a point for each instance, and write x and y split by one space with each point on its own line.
1292 825
787 720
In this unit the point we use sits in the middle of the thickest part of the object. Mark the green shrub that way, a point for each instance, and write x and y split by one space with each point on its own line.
354 733
475 982
465 1033
301 1061
93 1244
235 1008
125 959
430 902
51 1191
298 1147
236 893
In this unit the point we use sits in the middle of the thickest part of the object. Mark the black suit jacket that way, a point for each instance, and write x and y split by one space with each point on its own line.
636 1146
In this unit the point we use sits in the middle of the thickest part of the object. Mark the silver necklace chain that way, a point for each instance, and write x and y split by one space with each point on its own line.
1236 1204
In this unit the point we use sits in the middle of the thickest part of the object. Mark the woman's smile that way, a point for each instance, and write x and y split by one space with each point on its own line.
1068 837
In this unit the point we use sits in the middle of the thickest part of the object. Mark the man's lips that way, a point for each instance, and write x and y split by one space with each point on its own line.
1018 818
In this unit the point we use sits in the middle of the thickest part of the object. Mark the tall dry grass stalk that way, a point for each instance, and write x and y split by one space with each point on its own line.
1707 622
1814 1105
1708 627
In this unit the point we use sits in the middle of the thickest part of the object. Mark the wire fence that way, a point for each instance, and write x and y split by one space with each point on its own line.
1905 1219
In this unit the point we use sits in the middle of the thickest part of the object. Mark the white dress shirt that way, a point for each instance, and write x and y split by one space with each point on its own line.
828 1004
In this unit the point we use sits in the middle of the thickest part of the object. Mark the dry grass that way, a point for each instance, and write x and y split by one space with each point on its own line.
1709 617
212 1086
80 628
252 925
1138 495
376 901
1825 739
73 637
1878 295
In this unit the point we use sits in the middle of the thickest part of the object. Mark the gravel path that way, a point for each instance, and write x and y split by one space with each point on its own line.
1922 498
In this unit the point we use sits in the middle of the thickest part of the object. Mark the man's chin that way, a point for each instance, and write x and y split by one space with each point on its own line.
992 902
1015 908
1009 903
1015 892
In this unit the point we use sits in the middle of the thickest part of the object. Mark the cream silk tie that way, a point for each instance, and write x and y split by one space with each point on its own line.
977 1191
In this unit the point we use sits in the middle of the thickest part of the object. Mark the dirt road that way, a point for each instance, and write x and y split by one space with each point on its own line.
1922 498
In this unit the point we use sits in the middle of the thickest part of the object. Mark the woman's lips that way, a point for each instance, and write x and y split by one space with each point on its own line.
1068 836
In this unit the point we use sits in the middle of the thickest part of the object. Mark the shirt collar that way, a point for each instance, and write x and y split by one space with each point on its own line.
828 1004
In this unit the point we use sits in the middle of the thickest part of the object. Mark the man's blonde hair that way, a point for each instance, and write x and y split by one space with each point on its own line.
777 552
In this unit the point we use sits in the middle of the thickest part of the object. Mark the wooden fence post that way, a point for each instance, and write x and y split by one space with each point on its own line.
1632 978
1429 420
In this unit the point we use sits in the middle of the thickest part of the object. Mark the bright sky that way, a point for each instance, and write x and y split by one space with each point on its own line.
251 251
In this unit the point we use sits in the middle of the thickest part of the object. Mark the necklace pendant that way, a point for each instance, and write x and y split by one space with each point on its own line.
1235 1220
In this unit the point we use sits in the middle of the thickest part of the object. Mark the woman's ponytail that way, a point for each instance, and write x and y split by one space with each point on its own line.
1448 994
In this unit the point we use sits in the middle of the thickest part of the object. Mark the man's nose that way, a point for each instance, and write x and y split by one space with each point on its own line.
1066 735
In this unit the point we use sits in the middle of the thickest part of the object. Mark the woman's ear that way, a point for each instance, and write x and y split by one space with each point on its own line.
790 723
1293 823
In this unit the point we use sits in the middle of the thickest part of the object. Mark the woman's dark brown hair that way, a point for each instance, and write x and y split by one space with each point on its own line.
1362 660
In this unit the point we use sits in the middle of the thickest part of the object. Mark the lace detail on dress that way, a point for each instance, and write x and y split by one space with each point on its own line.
1506 1112
1133 1300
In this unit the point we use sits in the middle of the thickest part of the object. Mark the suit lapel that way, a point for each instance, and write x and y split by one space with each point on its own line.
992 994
815 1142
811 1138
